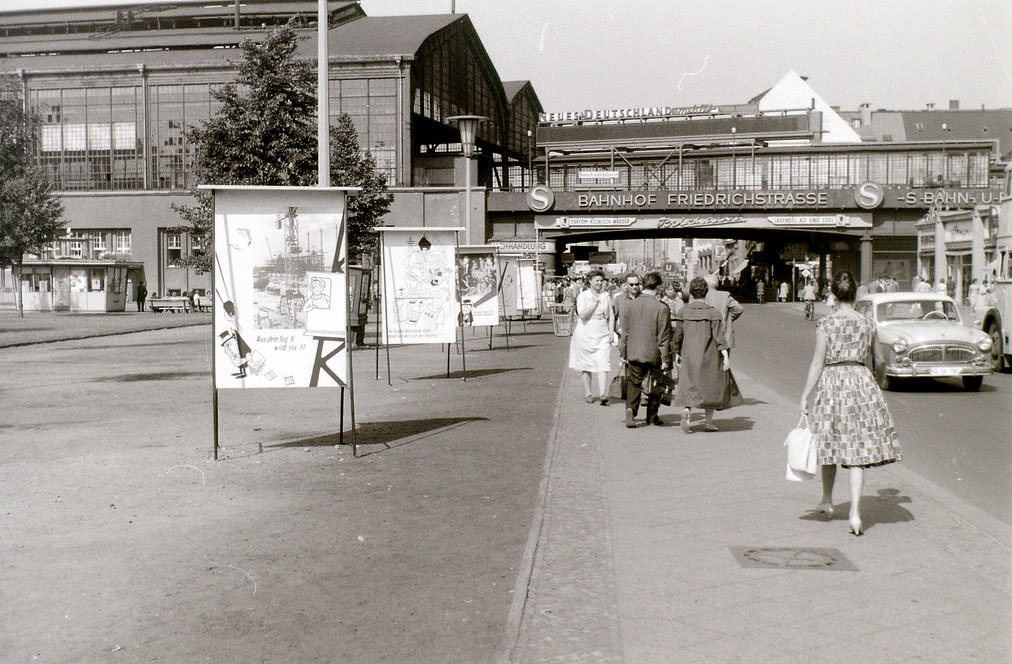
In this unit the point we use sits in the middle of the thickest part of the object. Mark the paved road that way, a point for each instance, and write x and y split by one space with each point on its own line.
959 440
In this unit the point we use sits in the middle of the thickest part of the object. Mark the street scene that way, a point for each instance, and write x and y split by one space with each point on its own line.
463 332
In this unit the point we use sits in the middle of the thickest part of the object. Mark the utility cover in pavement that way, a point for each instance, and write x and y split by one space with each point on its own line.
792 558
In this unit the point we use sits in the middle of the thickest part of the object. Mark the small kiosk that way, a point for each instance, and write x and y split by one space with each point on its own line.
78 281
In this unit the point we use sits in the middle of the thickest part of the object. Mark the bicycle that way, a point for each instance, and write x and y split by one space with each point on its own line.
809 309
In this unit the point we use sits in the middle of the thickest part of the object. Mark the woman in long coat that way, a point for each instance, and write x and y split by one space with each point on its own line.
698 339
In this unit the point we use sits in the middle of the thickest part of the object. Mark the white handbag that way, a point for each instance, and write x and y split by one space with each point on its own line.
802 459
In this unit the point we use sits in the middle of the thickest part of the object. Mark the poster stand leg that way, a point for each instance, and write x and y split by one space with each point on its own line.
214 398
490 337
340 435
351 399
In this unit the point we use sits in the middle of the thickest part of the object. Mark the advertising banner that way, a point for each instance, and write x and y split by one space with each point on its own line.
478 285
280 287
419 285
527 286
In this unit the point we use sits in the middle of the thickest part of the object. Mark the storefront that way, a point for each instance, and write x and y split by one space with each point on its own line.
957 246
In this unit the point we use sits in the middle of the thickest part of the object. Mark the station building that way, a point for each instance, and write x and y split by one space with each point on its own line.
787 176
115 88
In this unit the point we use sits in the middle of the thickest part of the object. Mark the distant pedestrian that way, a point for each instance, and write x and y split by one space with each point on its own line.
850 421
702 351
645 347
923 286
760 290
590 345
940 287
729 308
672 298
782 292
142 294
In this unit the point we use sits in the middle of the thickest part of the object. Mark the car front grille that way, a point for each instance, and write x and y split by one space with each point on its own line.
946 353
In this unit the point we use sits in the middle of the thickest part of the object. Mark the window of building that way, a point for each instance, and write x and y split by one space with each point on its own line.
96 279
173 249
121 242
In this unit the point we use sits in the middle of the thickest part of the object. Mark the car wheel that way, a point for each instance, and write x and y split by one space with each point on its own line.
972 383
884 381
997 351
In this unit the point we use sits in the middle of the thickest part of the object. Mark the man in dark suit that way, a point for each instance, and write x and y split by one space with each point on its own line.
645 346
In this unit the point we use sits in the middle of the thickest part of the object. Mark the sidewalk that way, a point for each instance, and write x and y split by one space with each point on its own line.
654 546
49 326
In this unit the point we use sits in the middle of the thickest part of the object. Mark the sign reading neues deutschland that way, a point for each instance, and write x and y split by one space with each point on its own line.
684 221
590 115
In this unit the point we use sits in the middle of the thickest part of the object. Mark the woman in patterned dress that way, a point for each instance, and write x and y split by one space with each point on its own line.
590 347
850 420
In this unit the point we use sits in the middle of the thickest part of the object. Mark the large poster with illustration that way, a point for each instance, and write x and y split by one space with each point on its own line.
419 286
280 287
478 285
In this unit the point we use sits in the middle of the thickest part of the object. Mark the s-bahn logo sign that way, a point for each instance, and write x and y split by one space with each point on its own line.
869 195
540 198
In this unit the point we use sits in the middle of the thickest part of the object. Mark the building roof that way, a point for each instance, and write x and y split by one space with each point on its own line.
387 35
514 88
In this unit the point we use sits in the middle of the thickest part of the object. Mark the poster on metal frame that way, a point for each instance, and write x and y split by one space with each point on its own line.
419 285
478 285
280 287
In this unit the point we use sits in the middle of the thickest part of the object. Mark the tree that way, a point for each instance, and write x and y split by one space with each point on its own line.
265 134
30 215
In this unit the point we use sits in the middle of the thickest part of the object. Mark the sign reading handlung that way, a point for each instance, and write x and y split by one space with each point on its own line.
280 288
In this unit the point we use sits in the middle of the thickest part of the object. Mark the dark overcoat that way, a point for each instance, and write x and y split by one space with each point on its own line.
646 330
698 337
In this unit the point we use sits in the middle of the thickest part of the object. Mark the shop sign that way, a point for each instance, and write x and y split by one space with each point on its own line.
627 113
598 175
792 251
524 246
684 221
958 231
809 220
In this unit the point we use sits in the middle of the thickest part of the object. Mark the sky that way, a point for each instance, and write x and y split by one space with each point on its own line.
597 54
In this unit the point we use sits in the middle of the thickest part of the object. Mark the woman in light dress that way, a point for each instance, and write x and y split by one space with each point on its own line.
850 421
590 346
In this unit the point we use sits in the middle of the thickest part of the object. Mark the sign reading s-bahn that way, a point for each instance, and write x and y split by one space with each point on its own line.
541 199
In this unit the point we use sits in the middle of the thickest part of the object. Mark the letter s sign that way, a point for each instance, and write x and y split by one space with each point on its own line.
540 198
869 195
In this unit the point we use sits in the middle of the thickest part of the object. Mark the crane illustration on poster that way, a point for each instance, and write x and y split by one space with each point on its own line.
280 289
419 286
478 285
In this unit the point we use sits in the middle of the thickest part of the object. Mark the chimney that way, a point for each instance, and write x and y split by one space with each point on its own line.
865 109
953 104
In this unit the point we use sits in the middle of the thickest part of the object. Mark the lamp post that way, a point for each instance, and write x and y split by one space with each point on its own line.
468 125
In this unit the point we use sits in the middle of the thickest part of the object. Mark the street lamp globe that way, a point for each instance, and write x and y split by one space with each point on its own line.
468 125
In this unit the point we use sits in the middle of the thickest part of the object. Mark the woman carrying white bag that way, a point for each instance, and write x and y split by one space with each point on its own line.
850 421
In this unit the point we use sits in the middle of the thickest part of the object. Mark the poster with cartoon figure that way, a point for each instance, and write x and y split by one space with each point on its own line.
478 285
419 286
280 287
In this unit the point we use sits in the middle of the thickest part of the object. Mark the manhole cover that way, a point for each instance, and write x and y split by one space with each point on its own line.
792 558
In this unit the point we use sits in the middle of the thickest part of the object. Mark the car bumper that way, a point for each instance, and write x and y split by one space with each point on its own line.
936 371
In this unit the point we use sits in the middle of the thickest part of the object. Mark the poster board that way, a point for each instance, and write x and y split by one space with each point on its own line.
478 285
419 285
528 288
280 282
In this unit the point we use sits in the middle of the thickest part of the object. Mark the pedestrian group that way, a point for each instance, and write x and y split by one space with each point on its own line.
662 339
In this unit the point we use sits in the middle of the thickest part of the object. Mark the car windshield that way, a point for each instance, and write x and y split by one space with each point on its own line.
917 310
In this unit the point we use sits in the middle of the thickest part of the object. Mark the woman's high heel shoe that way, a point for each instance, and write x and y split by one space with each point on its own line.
856 527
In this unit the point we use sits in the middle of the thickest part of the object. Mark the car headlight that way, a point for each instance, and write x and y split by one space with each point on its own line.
899 345
984 344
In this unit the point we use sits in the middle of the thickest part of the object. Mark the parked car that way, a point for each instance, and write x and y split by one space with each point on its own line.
922 335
